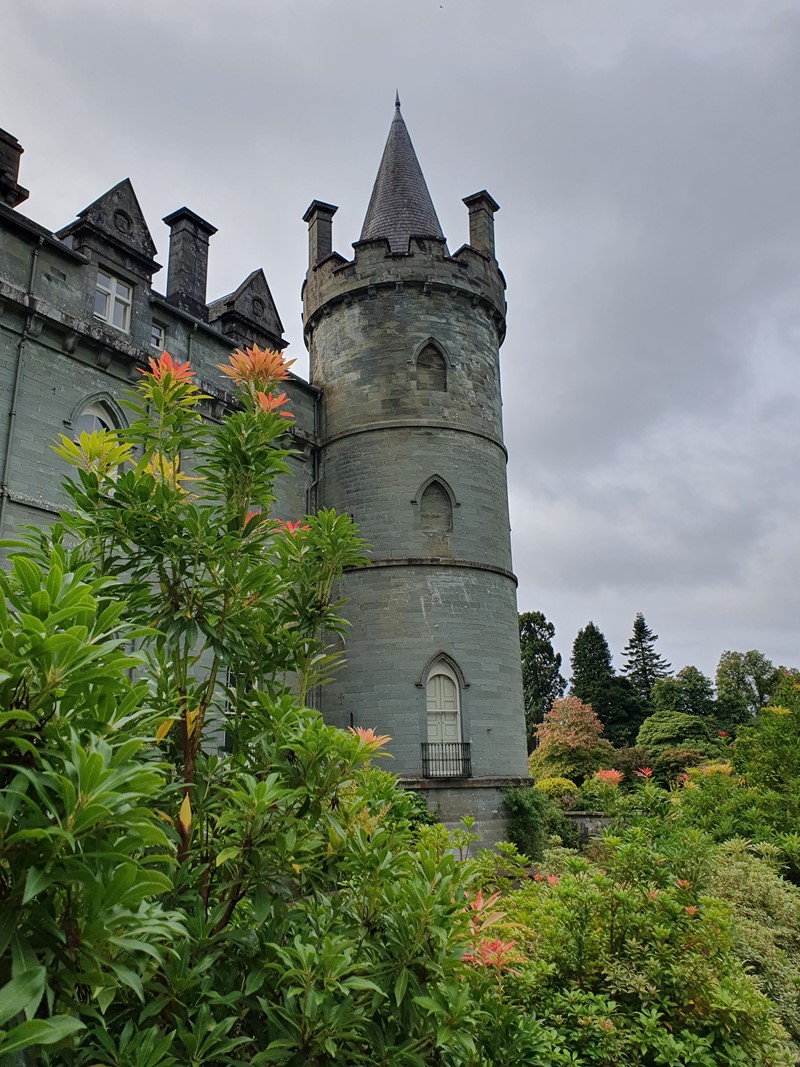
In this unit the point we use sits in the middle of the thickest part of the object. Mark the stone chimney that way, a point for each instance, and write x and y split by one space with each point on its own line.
11 193
481 222
320 231
187 271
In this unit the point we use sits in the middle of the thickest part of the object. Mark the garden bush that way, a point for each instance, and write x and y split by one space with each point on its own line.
560 789
766 928
167 900
533 819
627 962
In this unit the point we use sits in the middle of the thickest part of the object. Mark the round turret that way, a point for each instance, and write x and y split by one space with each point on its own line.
404 342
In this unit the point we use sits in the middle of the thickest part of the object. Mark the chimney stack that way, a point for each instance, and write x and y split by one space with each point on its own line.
187 272
481 222
11 193
320 231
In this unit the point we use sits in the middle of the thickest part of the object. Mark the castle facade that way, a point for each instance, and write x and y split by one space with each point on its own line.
400 426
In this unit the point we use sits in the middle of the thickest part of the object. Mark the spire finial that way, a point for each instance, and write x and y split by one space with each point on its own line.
400 206
397 99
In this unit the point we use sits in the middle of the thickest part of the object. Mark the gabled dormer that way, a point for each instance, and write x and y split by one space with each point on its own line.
248 315
112 231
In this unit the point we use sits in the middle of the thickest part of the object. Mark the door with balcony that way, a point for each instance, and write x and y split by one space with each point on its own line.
444 757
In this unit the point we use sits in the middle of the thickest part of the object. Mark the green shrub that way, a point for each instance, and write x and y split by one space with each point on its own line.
628 759
766 927
724 807
628 963
671 729
533 820
557 788
670 763
575 764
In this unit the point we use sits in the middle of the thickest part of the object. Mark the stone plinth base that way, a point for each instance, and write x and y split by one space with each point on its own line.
450 799
587 824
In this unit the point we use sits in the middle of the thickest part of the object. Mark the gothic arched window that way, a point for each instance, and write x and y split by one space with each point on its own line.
431 370
436 509
444 754
444 711
95 416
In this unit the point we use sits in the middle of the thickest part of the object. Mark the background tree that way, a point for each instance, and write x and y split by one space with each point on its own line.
614 700
690 692
767 751
745 681
542 681
590 662
643 665
570 744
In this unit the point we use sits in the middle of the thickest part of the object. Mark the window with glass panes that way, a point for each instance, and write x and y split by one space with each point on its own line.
158 336
112 301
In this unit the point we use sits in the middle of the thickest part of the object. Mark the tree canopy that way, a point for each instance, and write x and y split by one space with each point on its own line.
590 662
542 681
643 665
614 700
690 692
745 681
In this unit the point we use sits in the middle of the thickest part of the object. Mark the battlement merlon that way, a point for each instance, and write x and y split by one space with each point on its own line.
469 273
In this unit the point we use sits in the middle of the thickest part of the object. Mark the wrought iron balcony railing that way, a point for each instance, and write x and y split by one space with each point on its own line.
446 759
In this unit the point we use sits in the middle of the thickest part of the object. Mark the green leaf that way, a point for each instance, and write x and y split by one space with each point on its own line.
39 1032
23 992
225 855
362 983
400 986
35 882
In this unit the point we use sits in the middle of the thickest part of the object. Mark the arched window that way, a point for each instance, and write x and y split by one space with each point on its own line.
431 370
93 417
444 720
444 754
436 509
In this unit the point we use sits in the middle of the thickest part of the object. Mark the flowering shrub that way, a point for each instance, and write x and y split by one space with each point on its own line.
610 778
601 791
629 962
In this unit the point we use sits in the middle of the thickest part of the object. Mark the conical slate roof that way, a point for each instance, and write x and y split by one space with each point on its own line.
400 206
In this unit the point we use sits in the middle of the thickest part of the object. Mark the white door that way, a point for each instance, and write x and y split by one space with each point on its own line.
444 722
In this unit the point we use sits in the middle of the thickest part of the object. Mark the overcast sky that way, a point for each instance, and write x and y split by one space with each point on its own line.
646 156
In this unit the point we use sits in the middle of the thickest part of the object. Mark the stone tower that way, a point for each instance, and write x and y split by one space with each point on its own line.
404 342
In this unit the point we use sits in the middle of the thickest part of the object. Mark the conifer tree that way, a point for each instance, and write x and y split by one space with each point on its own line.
614 700
643 665
542 681
591 662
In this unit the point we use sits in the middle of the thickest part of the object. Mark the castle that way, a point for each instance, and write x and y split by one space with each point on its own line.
400 426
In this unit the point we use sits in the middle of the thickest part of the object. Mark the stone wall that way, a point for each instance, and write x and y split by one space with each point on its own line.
443 590
62 359
482 799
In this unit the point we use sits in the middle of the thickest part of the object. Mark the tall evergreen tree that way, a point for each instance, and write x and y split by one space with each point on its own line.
614 700
643 665
542 681
591 662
